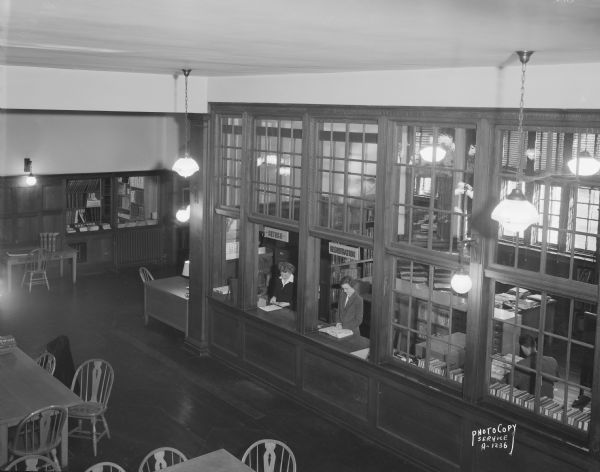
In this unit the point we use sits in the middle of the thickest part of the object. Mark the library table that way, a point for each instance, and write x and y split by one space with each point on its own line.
167 300
24 388
216 461
20 256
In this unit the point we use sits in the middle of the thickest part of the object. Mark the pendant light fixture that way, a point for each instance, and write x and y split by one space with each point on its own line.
515 213
186 166
584 164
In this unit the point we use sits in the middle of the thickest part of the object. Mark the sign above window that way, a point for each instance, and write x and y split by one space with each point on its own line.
277 234
344 251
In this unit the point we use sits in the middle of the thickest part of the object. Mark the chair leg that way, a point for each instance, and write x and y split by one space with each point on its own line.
94 437
46 279
55 459
106 427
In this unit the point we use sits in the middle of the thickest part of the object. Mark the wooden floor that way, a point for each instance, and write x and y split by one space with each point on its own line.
166 396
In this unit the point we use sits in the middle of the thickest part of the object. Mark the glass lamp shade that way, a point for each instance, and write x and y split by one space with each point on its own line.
515 213
431 154
461 282
186 269
30 180
584 164
186 166
183 214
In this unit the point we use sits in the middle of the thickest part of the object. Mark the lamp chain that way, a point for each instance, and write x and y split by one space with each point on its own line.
523 59
186 73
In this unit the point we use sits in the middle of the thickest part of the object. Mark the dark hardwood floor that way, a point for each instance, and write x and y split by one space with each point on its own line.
163 394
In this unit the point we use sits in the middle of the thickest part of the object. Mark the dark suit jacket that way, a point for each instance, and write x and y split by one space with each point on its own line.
350 314
524 379
285 293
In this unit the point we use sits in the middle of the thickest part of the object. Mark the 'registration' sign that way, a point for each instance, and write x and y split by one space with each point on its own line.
344 251
277 234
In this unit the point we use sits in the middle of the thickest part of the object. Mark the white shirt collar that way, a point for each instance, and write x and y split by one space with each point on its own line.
288 281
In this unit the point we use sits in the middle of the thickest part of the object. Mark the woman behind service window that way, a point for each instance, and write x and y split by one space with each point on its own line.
285 291
350 306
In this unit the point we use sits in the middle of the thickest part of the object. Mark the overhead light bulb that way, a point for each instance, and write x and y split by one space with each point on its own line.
515 213
584 164
432 154
186 166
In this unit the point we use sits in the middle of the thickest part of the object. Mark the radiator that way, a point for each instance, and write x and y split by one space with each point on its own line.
140 246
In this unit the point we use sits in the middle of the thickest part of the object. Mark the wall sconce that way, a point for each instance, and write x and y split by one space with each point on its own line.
183 214
186 166
515 212
461 280
27 168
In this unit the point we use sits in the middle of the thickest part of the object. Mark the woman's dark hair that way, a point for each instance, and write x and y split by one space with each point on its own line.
527 340
346 279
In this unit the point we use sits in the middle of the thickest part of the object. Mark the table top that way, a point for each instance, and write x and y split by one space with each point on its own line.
176 285
26 387
20 254
216 461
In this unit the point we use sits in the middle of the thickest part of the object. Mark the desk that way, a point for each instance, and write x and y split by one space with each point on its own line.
166 300
26 387
216 461
19 256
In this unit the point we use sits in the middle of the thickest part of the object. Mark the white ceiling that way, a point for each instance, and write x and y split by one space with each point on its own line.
241 37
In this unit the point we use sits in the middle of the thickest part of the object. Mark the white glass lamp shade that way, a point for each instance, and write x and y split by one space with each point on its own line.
461 282
515 213
183 214
431 154
186 166
186 269
30 180
584 164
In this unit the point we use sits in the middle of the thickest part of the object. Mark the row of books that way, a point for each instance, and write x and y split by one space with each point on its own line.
436 366
575 417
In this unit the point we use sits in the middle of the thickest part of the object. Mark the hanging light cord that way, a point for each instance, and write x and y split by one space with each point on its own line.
523 57
186 73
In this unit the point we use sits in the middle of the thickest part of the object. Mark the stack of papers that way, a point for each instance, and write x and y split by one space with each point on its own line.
270 307
337 332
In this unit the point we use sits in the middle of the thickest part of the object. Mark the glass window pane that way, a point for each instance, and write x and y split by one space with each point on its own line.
351 177
279 164
429 320
434 172
541 355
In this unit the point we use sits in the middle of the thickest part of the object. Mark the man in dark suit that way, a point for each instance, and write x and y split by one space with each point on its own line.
350 307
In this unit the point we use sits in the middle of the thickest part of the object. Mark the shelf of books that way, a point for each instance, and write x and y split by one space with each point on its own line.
575 417
87 205
137 201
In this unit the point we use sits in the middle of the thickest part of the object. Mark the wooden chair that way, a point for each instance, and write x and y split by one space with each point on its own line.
32 463
39 433
161 458
93 381
105 467
270 455
145 275
47 361
35 270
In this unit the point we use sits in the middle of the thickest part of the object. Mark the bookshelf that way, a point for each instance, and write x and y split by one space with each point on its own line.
136 201
88 205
